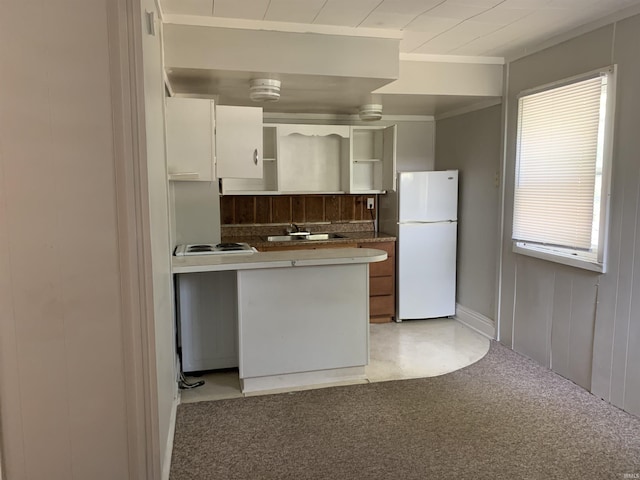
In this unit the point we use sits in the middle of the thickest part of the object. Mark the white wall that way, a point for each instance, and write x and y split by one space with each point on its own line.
471 143
415 148
242 50
196 212
446 78
581 324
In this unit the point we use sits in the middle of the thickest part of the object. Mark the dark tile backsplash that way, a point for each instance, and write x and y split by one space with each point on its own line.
262 209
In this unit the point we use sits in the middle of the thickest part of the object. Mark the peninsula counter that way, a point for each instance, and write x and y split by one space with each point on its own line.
298 317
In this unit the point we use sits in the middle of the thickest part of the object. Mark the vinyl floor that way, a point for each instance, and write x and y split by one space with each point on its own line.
410 349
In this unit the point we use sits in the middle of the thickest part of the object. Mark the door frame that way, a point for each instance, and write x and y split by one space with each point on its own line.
124 27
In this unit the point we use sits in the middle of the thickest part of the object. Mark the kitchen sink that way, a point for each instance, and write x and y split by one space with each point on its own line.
304 237
283 238
324 236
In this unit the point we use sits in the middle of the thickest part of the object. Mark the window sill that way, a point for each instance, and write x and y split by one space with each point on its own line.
553 255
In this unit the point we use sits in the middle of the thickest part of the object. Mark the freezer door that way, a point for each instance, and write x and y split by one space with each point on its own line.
427 270
428 196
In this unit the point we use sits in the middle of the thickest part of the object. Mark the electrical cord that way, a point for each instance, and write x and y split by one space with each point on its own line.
184 384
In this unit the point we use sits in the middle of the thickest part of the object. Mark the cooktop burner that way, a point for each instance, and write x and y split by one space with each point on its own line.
211 249
230 246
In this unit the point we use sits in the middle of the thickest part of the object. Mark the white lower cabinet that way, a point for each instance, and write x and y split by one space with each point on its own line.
208 320
302 319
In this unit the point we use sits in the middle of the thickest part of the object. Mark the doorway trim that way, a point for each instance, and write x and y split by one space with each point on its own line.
124 28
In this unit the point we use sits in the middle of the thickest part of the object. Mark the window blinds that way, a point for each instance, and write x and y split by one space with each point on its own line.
557 155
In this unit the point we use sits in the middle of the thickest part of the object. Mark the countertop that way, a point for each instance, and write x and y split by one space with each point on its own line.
349 238
288 258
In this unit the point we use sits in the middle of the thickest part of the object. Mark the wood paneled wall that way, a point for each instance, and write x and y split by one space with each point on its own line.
247 209
545 307
616 356
72 338
583 325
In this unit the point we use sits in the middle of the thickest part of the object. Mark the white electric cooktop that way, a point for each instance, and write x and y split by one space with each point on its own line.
213 249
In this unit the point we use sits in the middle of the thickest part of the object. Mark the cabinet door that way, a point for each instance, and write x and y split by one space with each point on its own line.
238 142
372 159
190 140
268 184
389 159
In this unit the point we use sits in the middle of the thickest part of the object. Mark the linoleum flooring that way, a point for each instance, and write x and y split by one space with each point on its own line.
410 349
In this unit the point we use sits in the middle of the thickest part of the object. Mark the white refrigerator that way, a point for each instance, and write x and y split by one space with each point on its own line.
423 213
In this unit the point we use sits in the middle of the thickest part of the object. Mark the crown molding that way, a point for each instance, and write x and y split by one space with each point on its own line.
427 57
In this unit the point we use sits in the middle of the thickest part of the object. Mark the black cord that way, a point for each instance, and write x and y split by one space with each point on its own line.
183 384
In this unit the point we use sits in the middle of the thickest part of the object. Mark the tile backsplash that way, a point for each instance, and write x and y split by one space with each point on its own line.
282 209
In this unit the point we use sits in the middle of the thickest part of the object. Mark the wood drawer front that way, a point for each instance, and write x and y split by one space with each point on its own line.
382 269
382 305
381 286
389 247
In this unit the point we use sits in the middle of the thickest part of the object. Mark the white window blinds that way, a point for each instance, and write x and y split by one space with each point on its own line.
559 156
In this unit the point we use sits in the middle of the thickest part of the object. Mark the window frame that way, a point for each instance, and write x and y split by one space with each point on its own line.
567 255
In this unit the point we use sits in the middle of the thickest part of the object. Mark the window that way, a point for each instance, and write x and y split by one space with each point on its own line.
563 157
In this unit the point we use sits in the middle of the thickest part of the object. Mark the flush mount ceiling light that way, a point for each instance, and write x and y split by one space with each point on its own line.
264 90
371 111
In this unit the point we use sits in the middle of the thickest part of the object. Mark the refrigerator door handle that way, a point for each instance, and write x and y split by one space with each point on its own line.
426 223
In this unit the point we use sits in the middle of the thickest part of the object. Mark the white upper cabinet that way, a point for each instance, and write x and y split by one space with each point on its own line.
190 139
227 142
310 157
313 130
371 166
238 142
268 184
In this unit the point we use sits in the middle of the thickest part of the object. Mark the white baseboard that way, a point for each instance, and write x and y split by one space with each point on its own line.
302 380
166 465
476 321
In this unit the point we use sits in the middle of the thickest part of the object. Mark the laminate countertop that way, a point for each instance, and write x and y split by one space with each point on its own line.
260 241
289 258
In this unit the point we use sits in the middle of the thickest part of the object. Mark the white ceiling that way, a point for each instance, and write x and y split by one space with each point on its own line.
501 28
459 29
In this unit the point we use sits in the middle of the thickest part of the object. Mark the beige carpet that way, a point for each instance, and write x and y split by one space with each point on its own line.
503 417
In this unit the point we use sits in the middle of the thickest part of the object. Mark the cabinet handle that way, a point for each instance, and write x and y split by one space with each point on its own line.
255 156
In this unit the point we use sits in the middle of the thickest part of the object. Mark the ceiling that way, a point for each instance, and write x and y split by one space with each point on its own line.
314 94
444 27
482 29
299 94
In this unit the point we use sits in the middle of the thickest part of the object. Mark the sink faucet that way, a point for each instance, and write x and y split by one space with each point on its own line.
294 228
